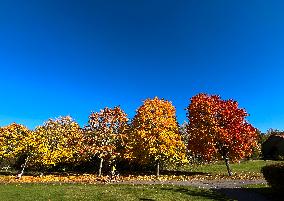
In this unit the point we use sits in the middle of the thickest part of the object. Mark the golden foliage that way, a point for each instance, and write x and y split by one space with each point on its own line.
154 133
58 141
15 139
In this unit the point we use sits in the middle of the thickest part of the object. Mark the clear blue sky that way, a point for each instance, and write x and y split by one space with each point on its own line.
73 57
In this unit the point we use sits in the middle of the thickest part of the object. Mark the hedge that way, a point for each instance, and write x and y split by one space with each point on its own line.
274 175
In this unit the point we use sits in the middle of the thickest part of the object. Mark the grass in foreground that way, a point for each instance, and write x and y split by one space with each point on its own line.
9 192
266 191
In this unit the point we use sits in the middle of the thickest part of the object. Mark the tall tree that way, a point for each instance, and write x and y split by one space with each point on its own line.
218 129
154 136
105 134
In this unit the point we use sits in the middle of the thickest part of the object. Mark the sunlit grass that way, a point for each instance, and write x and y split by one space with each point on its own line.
104 192
245 167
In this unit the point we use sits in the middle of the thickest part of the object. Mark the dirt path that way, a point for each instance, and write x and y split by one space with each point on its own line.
231 188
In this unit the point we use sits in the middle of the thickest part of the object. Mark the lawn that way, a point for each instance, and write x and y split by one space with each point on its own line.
115 192
245 167
58 190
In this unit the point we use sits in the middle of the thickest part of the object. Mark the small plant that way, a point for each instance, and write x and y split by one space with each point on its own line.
274 175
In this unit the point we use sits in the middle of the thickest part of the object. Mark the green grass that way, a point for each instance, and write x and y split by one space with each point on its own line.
247 167
57 191
115 192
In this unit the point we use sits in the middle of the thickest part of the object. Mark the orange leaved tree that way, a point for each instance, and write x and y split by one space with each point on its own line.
154 135
105 134
218 129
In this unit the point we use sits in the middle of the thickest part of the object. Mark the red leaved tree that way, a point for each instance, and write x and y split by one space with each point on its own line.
217 129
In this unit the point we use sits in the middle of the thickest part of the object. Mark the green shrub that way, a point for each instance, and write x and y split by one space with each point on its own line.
274 175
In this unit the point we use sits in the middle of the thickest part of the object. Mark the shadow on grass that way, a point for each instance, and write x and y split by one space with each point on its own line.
162 173
198 193
252 194
7 173
180 173
268 192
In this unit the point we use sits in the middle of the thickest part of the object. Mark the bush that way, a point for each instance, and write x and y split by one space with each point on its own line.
274 175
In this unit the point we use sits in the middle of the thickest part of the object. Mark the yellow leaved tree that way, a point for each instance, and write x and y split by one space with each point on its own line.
16 142
58 141
154 135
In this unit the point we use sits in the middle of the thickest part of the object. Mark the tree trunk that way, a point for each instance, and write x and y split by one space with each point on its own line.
101 166
224 153
23 168
158 168
228 166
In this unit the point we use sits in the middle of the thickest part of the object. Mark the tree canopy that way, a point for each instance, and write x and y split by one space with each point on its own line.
154 134
218 129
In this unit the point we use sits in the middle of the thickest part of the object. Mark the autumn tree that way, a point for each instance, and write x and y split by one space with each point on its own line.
16 141
218 129
154 135
58 141
105 134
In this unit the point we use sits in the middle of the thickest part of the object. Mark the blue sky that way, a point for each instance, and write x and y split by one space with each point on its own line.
68 57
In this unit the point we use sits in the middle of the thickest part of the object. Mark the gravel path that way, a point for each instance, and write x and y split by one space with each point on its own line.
231 188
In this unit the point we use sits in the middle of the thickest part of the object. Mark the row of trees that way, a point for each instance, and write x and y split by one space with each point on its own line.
217 129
